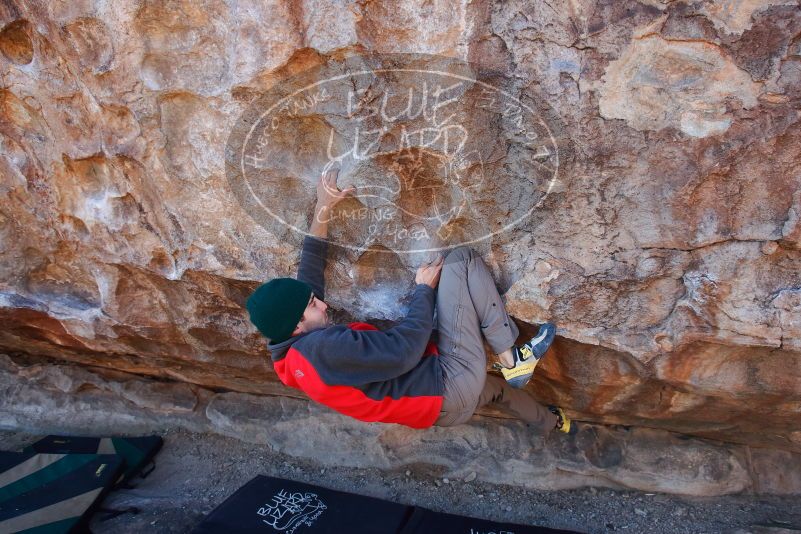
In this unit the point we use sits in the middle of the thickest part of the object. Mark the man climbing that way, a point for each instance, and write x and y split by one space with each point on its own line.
398 375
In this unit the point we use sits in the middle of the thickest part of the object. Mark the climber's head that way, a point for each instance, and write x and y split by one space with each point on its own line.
285 307
314 316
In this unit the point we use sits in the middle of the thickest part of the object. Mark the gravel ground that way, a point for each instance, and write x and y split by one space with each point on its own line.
196 472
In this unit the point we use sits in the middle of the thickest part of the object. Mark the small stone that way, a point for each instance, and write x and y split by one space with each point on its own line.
437 482
446 481
680 511
480 495
508 508
471 477
408 473
664 343
640 512
322 471
769 247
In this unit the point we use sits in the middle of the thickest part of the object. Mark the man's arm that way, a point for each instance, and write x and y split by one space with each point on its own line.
353 357
315 247
312 264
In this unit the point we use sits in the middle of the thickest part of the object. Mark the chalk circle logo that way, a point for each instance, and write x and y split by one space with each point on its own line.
438 154
286 511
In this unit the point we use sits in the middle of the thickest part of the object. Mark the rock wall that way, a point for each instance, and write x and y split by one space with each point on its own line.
66 399
668 248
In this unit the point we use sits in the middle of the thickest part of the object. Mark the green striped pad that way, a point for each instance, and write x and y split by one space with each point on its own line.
51 492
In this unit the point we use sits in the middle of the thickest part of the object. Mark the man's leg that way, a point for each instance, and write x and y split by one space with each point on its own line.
517 403
468 307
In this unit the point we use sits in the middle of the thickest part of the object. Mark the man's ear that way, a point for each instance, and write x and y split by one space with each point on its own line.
297 330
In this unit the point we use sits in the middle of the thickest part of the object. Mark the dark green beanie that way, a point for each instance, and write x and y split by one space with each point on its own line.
277 306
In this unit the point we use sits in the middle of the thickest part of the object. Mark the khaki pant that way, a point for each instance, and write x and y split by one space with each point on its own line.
469 307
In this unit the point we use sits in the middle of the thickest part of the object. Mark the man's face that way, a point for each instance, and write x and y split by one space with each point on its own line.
315 316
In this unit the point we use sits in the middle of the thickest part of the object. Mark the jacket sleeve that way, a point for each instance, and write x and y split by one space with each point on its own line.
312 264
355 357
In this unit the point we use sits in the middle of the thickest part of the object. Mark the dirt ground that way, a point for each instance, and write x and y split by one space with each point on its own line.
196 472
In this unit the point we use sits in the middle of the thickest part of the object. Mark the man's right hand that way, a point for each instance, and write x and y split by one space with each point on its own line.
428 273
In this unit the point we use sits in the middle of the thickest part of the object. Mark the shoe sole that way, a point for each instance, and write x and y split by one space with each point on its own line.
544 340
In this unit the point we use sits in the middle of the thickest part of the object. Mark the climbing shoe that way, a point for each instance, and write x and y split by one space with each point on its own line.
563 422
527 356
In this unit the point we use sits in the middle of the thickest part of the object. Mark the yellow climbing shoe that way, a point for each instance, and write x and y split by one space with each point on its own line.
563 422
527 356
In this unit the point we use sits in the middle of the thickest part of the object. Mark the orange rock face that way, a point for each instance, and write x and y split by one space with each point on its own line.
665 243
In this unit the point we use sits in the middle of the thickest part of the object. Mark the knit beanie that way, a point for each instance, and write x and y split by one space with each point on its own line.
277 306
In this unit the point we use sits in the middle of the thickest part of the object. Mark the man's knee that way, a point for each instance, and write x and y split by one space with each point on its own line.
460 254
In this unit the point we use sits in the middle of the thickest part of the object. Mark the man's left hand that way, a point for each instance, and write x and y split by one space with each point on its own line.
328 195
429 272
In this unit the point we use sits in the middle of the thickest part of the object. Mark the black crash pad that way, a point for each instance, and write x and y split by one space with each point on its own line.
268 505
